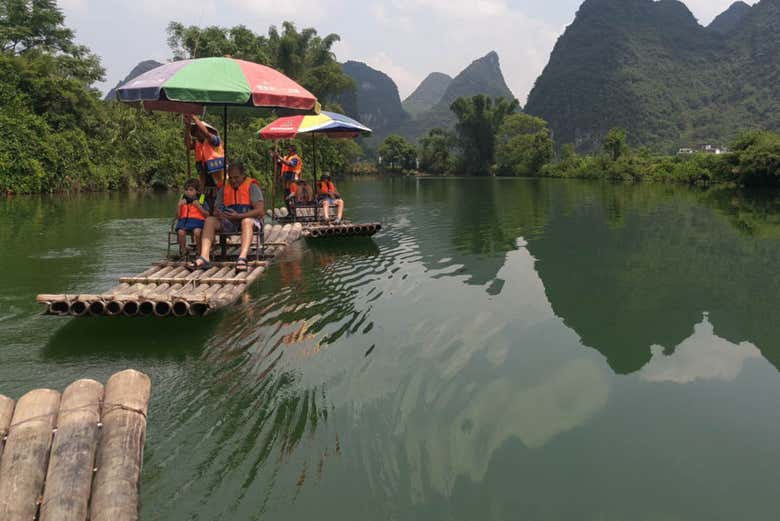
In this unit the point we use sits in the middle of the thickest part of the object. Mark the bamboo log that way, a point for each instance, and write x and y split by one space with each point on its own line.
130 308
23 465
219 264
121 287
69 479
79 308
6 413
167 286
180 308
120 455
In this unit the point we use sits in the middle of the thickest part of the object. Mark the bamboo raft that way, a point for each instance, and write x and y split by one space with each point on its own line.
313 228
169 289
77 455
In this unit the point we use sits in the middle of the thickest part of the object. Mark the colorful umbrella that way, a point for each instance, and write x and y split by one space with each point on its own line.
217 81
329 123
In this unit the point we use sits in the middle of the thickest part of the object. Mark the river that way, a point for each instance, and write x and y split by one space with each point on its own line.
503 349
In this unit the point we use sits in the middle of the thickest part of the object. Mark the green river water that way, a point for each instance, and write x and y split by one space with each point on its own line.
503 349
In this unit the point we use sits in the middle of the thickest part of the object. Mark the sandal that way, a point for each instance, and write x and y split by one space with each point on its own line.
193 265
241 265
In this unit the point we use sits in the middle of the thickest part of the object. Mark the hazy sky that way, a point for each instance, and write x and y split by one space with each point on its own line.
407 39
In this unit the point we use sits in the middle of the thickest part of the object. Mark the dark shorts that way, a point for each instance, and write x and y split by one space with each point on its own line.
229 226
331 200
189 225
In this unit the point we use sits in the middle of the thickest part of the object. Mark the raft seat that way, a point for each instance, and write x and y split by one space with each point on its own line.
310 212
222 243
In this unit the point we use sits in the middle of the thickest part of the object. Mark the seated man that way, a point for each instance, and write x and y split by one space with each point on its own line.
300 193
328 196
239 207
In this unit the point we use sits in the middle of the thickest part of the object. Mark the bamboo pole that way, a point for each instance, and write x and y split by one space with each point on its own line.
6 413
69 479
120 455
23 465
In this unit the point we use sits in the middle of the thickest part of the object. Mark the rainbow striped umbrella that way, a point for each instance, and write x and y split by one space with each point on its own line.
182 86
328 123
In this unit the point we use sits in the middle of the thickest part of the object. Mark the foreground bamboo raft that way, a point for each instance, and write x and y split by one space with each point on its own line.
169 289
77 455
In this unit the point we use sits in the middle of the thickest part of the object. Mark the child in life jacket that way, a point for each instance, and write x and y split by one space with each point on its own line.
191 215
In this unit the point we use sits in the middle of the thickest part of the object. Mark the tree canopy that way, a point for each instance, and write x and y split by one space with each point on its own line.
304 55
479 118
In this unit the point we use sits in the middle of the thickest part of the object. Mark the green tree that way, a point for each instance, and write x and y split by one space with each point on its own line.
397 154
479 118
27 25
302 55
755 159
523 145
436 152
615 143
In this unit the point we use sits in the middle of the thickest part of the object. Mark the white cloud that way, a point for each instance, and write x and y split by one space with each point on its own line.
703 356
406 80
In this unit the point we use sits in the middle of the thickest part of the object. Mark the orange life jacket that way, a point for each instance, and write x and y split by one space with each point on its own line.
326 187
297 169
190 211
210 158
238 199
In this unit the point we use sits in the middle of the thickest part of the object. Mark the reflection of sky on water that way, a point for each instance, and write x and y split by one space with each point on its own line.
702 356
462 379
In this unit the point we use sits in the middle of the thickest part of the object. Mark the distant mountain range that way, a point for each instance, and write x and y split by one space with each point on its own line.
376 102
427 94
649 67
644 65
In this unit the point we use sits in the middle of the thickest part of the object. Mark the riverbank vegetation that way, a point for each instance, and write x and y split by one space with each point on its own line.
493 137
60 136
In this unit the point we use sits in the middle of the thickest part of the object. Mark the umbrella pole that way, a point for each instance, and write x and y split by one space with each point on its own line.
186 148
275 176
225 138
314 148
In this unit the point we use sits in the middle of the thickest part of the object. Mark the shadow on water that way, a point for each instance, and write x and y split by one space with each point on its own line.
163 339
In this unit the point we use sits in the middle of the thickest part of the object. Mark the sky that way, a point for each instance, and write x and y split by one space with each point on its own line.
406 39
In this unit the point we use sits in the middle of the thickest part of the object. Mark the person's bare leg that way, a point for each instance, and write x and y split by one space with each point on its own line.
210 229
247 231
197 233
340 206
326 211
182 234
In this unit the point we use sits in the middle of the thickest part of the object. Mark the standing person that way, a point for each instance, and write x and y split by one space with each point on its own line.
292 166
239 207
191 215
329 196
209 155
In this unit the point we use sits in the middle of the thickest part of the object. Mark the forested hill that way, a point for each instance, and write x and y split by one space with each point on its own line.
728 19
482 76
427 94
650 68
375 100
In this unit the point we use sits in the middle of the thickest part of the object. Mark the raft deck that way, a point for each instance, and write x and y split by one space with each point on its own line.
77 455
169 289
